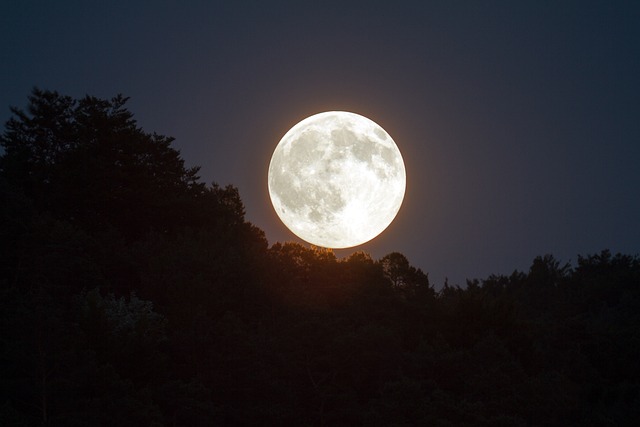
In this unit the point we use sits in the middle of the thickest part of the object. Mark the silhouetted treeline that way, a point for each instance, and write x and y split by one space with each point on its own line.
133 294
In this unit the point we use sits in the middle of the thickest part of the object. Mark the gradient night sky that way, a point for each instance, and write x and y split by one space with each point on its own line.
519 122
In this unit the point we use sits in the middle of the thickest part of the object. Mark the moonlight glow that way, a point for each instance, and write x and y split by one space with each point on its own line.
337 179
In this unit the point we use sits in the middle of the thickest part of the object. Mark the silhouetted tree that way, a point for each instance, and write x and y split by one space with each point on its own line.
406 279
87 162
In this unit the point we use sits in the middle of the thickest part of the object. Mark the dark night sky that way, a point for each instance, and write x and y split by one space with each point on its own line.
519 122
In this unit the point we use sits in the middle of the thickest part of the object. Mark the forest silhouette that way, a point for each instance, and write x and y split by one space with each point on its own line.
133 294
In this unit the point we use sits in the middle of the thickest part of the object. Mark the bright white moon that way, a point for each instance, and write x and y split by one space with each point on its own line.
337 179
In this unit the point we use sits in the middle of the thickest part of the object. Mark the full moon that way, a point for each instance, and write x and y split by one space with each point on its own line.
337 179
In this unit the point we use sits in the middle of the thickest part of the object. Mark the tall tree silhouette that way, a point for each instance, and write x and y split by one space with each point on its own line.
87 162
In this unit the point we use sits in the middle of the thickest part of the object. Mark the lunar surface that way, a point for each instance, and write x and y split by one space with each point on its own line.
337 179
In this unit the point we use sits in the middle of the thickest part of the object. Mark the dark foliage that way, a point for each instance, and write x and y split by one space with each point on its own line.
133 294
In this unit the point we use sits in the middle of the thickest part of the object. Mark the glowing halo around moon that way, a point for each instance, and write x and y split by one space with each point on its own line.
337 179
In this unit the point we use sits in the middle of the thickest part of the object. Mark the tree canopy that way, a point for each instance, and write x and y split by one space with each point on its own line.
86 161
